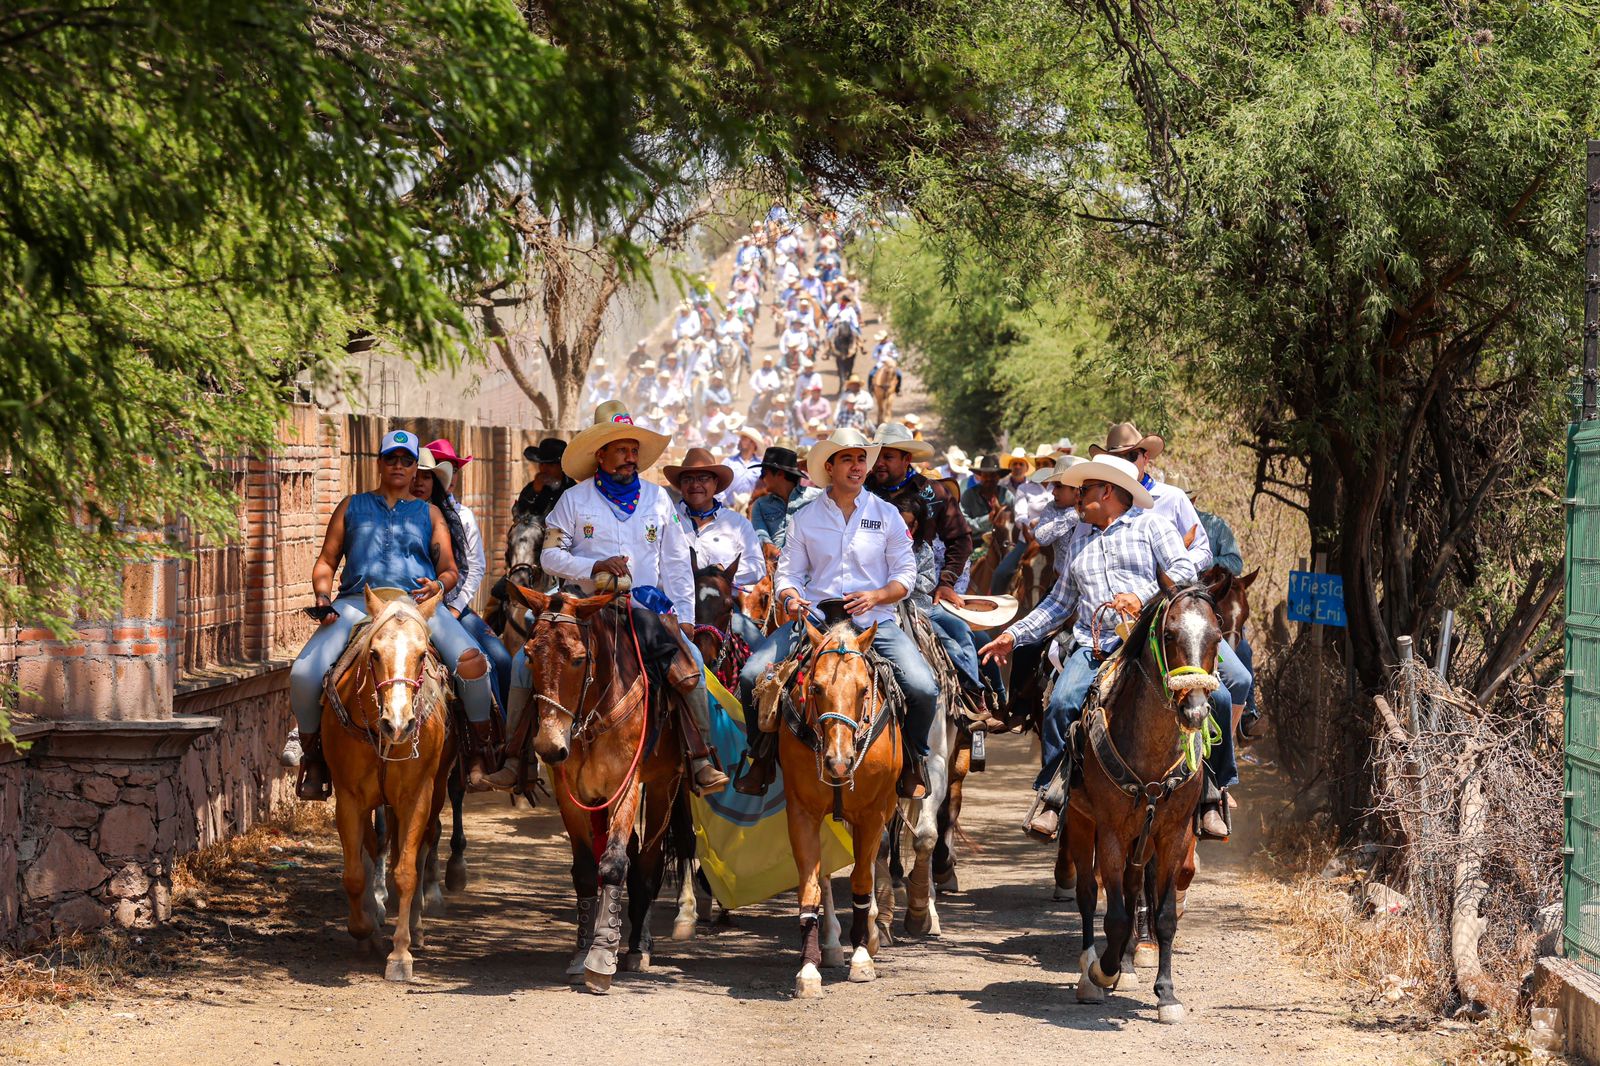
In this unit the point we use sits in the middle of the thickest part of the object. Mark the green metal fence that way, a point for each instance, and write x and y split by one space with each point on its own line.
1583 696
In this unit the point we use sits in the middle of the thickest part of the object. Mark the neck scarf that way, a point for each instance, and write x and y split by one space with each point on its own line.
902 483
625 496
1147 481
708 513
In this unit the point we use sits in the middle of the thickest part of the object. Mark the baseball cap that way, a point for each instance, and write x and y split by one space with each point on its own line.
398 440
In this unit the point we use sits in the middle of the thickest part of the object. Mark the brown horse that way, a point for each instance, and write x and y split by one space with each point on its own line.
882 384
1131 822
615 748
725 654
757 602
996 543
847 764
387 744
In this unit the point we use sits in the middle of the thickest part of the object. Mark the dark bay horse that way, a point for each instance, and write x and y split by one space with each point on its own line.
1131 822
523 542
714 599
614 744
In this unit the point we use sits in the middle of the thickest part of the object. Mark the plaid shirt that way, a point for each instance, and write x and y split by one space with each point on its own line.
1123 557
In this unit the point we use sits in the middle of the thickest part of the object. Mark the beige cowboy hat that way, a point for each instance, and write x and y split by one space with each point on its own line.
841 439
611 423
985 612
896 436
753 434
913 420
1125 437
1041 475
1114 470
1019 455
1063 464
1044 453
881 335
698 460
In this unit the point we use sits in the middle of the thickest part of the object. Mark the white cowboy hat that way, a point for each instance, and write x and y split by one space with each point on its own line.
1019 455
1113 470
986 612
611 422
896 436
1063 464
750 431
1041 475
913 420
1044 453
882 334
840 440
1065 445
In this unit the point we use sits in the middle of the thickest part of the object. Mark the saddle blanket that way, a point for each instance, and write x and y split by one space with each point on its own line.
743 841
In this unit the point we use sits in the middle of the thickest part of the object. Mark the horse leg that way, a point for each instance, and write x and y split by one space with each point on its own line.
883 888
1066 869
1078 834
805 840
944 853
646 871
455 870
432 892
1145 951
601 964
383 868
866 836
355 839
1168 1009
832 948
585 885
1106 970
921 915
683 925
897 867
412 825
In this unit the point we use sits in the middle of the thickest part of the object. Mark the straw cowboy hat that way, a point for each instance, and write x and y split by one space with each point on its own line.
611 423
1041 475
1183 484
913 420
840 440
881 335
985 612
1044 453
752 433
1064 446
1019 455
698 460
1063 464
958 460
894 435
1114 470
1125 437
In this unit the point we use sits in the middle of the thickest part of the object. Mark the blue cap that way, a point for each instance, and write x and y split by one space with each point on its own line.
399 440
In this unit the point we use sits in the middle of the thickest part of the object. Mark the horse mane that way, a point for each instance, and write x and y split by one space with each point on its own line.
1132 649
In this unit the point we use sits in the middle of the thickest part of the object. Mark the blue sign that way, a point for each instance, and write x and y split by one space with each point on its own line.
1316 598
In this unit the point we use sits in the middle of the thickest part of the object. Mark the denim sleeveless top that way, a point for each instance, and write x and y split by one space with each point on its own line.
385 548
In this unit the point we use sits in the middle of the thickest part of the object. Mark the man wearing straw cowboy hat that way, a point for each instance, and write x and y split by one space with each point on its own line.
613 525
846 544
895 474
1114 570
717 536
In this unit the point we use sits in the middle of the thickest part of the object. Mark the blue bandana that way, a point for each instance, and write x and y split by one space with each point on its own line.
625 496
708 513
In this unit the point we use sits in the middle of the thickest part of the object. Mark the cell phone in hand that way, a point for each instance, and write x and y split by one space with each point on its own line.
320 611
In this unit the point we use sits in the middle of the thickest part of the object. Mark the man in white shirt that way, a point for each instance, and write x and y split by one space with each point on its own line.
687 325
615 524
746 465
717 536
847 544
809 378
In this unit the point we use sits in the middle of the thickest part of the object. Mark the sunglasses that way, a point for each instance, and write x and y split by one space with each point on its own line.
398 459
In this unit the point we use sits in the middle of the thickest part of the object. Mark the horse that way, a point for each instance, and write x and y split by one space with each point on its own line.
387 742
615 748
1233 601
835 759
882 383
997 542
523 542
757 602
1131 822
842 341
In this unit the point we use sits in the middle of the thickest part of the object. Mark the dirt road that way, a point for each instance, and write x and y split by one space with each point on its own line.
278 981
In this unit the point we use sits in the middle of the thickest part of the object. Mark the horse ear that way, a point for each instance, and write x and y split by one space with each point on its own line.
429 605
1250 578
1166 583
588 608
813 634
374 605
537 602
1218 586
733 567
864 641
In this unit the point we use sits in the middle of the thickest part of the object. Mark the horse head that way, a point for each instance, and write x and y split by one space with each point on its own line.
559 662
1233 600
1179 629
397 647
522 549
838 692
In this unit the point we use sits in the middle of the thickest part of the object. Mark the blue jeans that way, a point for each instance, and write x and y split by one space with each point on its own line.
1247 656
745 627
449 637
910 670
1072 686
493 650
1000 583
956 636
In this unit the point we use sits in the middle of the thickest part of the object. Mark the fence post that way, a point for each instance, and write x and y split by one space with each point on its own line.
1591 285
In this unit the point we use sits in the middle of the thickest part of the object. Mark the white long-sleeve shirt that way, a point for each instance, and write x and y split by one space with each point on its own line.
827 555
1028 501
651 539
1175 504
473 567
746 472
728 536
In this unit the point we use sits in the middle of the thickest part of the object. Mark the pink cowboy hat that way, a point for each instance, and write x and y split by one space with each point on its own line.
445 452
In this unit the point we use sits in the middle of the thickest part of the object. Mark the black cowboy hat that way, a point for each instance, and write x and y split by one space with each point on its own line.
986 464
783 460
549 451
833 612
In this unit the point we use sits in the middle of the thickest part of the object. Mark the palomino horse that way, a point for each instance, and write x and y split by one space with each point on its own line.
757 603
1131 823
616 750
841 755
387 743
882 384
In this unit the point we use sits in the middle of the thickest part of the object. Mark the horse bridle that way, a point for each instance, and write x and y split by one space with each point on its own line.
856 726
381 747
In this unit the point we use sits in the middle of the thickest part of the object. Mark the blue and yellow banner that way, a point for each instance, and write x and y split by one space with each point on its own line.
744 840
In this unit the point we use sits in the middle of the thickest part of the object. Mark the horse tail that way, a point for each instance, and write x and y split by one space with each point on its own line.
680 843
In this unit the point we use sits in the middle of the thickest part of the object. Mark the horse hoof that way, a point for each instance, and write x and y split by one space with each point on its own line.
1146 955
455 875
433 900
947 881
861 968
636 962
885 938
1170 1013
575 965
1065 894
918 924
683 929
832 957
1089 992
1098 976
1085 957
398 970
808 983
902 897
597 983
934 930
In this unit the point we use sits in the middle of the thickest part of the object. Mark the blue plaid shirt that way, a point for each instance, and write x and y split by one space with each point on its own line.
1123 557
